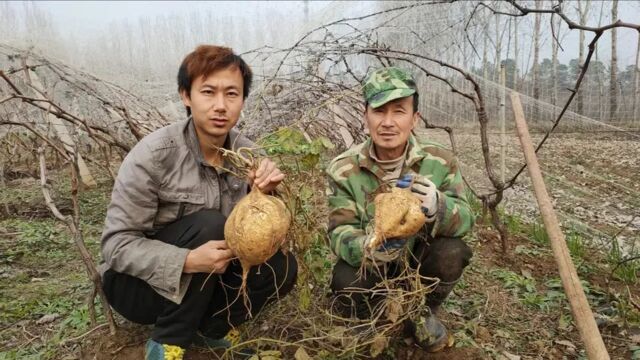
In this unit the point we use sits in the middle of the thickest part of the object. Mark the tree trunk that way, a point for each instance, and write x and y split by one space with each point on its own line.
583 10
636 84
613 82
485 65
536 53
496 71
599 77
516 53
554 66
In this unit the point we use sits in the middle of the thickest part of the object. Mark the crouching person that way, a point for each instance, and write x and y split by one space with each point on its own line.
164 230
393 154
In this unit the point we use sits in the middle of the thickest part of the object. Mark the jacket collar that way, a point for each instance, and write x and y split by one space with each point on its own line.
414 154
193 143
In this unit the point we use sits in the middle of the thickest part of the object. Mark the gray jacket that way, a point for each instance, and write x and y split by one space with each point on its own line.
163 178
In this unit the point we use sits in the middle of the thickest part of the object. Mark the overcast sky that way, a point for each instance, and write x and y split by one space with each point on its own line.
85 17
88 17
628 11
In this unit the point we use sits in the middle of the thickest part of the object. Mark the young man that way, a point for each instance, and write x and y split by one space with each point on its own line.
164 231
394 154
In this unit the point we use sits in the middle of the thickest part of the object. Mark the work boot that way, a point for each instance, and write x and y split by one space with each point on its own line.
429 333
155 351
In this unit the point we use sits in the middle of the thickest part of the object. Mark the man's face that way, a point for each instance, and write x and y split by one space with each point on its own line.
390 124
216 102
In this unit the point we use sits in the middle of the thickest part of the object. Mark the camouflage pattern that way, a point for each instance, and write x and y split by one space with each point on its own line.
386 84
355 179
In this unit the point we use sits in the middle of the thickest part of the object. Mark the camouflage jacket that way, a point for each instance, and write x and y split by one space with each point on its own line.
355 178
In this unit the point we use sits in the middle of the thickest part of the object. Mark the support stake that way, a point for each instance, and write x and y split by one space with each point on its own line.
580 308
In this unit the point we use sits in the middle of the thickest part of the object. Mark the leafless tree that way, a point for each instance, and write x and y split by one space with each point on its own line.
583 11
613 80
536 52
636 84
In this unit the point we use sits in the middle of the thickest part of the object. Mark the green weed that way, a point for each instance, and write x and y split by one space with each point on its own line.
511 280
539 234
525 250
623 266
576 245
474 203
287 141
514 224
525 289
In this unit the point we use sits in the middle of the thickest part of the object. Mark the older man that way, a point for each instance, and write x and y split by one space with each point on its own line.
393 154
164 231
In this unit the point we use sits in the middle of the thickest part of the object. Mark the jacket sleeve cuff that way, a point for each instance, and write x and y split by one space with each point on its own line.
174 281
440 214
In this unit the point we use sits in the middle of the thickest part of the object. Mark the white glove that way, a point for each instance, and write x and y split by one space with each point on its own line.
425 190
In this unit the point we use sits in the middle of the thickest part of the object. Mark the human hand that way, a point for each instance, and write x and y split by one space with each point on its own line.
211 257
423 189
267 176
388 251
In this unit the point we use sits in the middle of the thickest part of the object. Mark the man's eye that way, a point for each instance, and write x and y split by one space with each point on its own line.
207 92
232 94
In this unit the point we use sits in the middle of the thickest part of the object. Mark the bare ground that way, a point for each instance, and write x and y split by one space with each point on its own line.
506 307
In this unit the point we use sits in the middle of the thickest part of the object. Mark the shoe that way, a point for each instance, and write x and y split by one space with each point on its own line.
430 334
155 351
230 340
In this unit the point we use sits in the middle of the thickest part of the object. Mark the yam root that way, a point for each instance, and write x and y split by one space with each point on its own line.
255 229
398 215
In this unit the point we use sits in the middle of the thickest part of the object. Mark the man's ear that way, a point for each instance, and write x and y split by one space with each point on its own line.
416 118
186 99
366 120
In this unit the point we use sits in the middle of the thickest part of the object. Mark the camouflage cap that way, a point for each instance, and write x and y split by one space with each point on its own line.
386 84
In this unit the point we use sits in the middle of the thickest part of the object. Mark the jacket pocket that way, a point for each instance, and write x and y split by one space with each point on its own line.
174 205
238 188
233 189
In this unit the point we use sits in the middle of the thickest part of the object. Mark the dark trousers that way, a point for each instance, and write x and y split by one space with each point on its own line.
207 309
442 258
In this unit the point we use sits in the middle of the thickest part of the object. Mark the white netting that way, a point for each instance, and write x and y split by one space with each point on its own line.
309 72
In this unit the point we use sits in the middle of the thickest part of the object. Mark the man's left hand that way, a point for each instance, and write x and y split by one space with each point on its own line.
267 176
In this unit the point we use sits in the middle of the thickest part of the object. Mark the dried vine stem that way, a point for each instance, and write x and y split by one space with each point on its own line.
54 109
73 223
557 10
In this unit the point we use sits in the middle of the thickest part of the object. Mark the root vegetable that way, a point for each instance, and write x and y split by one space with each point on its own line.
255 229
398 215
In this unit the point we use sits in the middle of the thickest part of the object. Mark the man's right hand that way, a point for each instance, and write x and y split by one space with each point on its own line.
388 251
210 257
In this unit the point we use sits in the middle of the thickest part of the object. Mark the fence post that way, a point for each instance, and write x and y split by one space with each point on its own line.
580 308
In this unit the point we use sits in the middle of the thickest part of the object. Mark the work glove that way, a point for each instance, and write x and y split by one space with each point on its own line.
423 189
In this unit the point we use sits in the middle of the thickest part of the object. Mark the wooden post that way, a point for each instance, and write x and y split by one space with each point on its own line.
582 314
